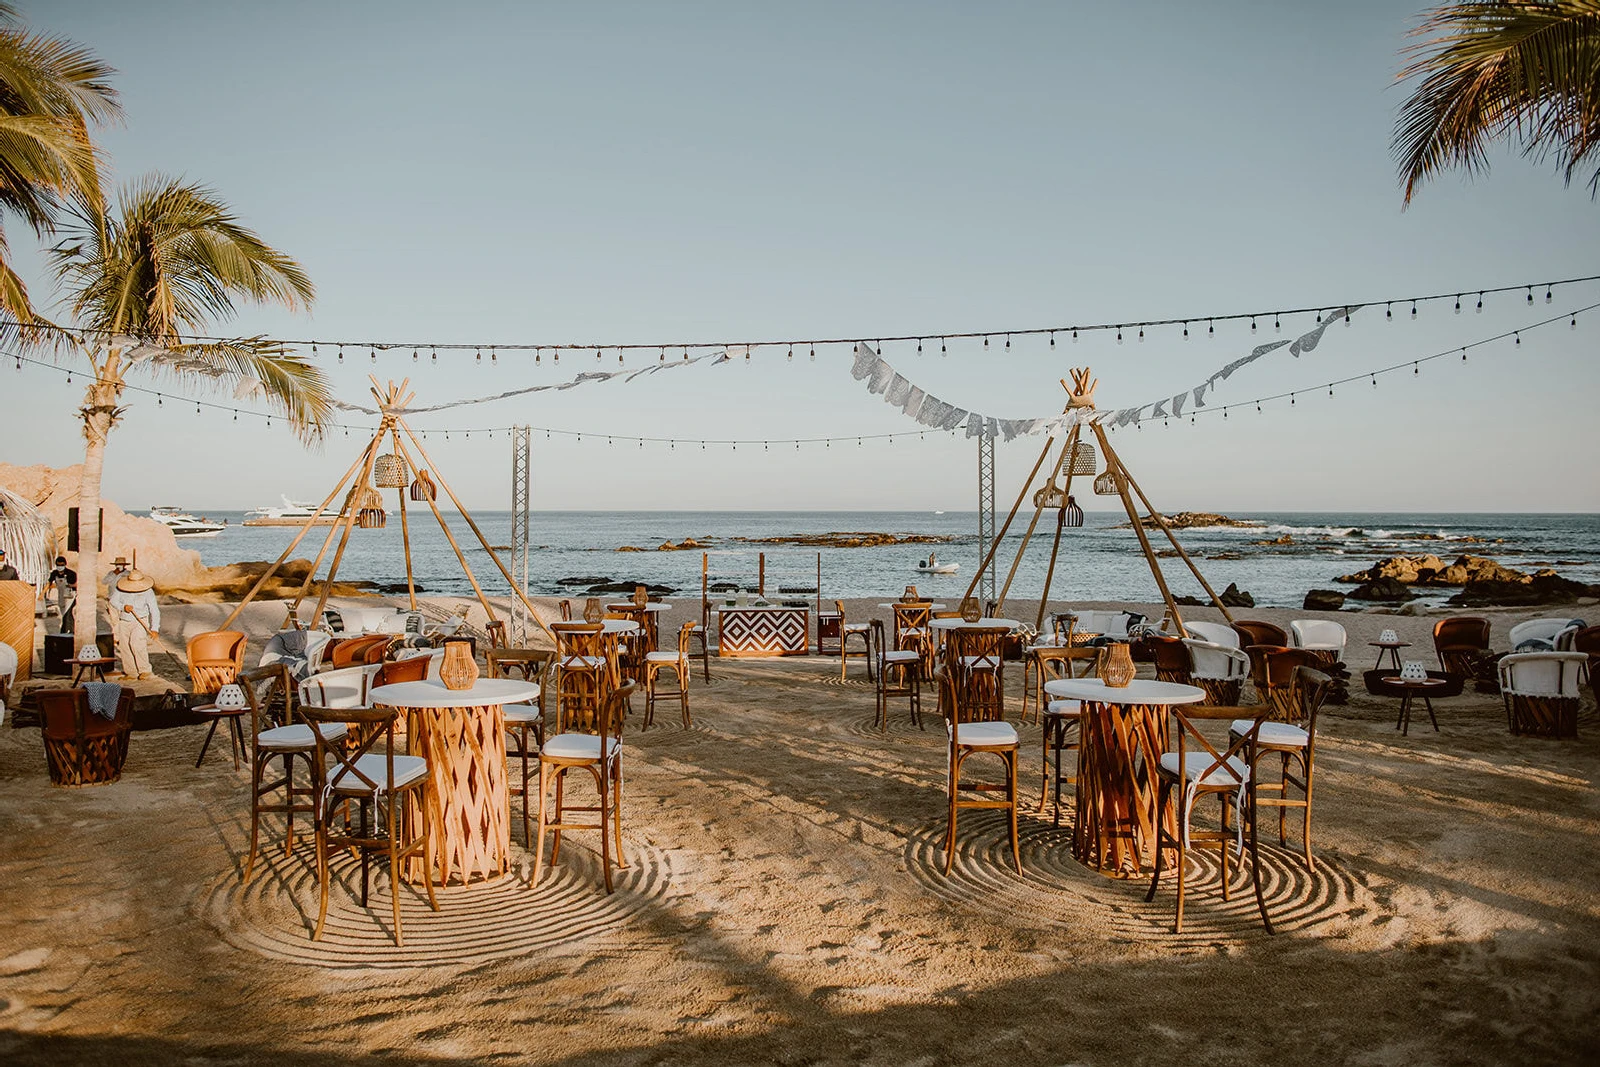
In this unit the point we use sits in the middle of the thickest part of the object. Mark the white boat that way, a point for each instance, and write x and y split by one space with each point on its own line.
931 565
183 524
293 513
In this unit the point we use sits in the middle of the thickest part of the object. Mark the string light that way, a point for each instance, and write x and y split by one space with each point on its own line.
1388 312
373 352
341 353
1211 328
1119 335
1141 335
1413 309
1480 304
1458 303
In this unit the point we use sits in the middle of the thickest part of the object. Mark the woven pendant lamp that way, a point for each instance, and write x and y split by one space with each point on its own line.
423 488
1081 461
389 472
1073 514
1106 483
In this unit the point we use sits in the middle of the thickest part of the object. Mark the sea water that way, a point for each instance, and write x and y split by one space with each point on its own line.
1099 561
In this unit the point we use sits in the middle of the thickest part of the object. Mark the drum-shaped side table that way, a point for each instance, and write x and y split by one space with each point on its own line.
462 735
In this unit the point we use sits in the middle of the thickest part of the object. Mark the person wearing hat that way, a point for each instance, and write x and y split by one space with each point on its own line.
135 618
64 580
119 567
8 573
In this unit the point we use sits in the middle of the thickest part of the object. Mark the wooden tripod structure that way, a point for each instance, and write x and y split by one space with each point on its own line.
356 484
1080 401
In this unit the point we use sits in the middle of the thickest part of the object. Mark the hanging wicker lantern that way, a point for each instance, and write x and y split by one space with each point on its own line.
1106 484
423 488
389 472
1081 461
371 518
1073 514
1049 496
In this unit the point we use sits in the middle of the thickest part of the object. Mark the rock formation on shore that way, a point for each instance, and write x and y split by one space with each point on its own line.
1185 520
1485 582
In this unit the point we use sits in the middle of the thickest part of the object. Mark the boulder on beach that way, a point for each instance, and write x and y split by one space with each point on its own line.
1544 586
1234 597
1323 600
1383 589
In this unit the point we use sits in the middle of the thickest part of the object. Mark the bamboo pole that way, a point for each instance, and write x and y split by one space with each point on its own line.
351 507
316 564
761 574
1138 528
1066 450
1049 574
1001 536
1173 537
405 533
481 539
305 529
460 556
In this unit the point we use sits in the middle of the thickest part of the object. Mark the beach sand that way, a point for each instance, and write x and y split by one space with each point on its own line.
785 903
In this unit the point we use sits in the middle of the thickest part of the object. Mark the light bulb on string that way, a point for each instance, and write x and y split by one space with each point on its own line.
943 349
1277 323
158 400
1516 337
536 357
373 353
619 356
1548 296
1413 309
1463 355
1530 294
599 354
1388 312
1458 303
790 357
434 354
1252 324
663 358
1052 338
1573 322
413 355
1211 327
1119 335
313 349
1074 334
341 353
494 357
986 341
1008 342
1141 334
1415 369
813 356
1319 318
1186 330
1480 304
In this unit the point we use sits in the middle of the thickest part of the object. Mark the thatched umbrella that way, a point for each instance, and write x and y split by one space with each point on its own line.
26 535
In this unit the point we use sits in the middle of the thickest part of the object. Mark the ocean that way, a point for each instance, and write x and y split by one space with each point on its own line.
1276 560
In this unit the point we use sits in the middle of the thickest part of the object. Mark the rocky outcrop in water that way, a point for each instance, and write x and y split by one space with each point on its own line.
1185 520
848 540
1484 582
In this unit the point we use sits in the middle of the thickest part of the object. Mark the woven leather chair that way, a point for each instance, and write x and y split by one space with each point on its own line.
1296 746
81 747
1219 633
1218 669
1273 672
1587 641
1542 691
1255 632
393 799
591 741
1171 659
356 651
1462 645
214 659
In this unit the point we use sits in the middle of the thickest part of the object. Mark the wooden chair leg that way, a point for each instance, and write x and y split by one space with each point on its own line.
538 852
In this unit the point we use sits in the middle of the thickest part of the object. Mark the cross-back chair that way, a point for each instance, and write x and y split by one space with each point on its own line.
677 662
393 799
583 670
899 675
524 721
1296 746
590 740
861 633
972 702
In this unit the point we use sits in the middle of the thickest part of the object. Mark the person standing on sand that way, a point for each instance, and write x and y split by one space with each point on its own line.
64 580
119 567
135 618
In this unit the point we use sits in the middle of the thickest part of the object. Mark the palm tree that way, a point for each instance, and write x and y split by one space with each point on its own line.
1525 70
50 89
140 283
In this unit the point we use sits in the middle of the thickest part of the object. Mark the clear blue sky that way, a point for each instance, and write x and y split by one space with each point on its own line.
613 172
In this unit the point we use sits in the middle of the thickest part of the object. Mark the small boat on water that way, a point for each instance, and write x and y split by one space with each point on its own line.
293 513
183 524
931 565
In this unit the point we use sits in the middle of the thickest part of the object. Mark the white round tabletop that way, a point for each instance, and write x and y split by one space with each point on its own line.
981 624
920 604
432 694
628 605
1138 691
618 626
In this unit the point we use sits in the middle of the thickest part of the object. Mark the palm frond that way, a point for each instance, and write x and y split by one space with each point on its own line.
1523 70
258 367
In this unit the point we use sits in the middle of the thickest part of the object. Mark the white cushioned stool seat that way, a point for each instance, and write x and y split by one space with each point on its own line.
583 663
579 746
407 769
902 655
986 733
519 714
1283 734
661 657
298 735
1067 708
1197 764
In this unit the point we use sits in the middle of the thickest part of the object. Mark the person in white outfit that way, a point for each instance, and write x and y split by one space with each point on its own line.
135 618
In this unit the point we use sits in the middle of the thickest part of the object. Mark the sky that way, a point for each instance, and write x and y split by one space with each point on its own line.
612 173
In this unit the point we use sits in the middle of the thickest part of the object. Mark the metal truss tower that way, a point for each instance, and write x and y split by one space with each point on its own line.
521 485
986 514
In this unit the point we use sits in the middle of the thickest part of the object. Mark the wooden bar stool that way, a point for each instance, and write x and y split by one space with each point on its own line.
861 632
676 662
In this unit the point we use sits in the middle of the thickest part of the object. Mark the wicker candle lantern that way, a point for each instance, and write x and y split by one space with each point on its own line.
971 611
592 611
910 596
458 670
641 596
389 472
1116 667
371 518
1106 483
1082 460
1072 514
423 488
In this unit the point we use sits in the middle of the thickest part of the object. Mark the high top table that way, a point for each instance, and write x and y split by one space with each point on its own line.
1121 736
462 735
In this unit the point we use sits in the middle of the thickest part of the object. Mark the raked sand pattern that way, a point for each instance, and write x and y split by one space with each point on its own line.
786 902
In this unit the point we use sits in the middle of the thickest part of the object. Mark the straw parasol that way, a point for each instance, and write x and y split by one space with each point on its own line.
27 537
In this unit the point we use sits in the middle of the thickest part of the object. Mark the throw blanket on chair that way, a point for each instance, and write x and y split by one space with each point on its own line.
299 650
103 697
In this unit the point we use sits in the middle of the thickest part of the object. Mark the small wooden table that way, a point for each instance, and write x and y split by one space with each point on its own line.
1114 827
97 665
462 735
1391 649
1409 691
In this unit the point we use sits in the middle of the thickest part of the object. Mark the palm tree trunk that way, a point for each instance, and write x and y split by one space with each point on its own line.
99 415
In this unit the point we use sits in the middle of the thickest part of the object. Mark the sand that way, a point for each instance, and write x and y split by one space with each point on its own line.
784 903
